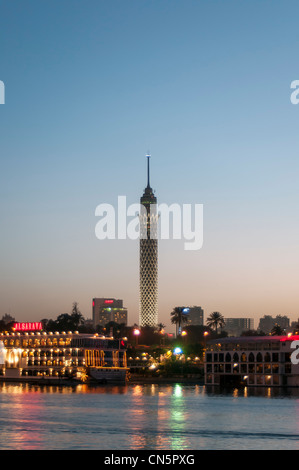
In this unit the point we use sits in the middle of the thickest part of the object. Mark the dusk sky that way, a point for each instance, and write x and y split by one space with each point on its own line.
92 86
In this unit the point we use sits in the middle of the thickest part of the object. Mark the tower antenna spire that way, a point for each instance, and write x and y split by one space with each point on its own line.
148 156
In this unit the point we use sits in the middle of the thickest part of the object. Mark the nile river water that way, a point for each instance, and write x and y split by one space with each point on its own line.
154 417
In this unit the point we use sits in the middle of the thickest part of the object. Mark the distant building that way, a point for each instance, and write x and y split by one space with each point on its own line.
195 315
88 322
294 326
7 318
105 310
236 326
268 322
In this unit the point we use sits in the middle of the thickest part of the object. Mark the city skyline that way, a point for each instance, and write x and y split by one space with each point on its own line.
207 93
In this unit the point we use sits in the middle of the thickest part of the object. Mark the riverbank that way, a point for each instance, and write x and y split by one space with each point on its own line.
134 379
192 379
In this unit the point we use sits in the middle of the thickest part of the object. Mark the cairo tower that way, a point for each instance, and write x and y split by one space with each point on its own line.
148 314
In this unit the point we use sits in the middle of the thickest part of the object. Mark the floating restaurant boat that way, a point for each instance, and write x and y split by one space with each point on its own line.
37 356
253 361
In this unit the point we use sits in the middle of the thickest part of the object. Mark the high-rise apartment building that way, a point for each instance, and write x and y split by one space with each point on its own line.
268 322
236 326
148 257
194 315
105 310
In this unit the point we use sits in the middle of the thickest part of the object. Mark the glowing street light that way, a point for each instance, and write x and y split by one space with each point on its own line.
136 332
177 351
205 334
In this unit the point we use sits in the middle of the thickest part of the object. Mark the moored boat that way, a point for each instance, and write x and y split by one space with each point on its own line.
60 357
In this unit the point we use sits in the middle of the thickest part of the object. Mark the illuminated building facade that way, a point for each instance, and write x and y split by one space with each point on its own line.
36 355
252 361
105 310
148 256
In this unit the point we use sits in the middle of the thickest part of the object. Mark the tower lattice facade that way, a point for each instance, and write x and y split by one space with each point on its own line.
148 273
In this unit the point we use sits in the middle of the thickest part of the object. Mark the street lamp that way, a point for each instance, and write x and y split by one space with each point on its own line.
136 332
177 351
206 333
162 333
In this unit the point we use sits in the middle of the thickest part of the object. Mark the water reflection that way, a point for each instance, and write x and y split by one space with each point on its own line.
156 417
151 416
178 419
267 392
177 390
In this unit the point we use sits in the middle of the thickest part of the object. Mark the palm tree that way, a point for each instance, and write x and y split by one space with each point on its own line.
178 317
277 330
76 315
161 327
215 320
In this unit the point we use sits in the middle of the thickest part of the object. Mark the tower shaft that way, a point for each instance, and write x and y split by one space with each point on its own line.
148 268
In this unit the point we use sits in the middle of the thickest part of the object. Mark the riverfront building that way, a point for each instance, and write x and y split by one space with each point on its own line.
251 361
148 257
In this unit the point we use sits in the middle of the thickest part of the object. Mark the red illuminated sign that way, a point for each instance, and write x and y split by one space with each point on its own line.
108 301
28 326
289 338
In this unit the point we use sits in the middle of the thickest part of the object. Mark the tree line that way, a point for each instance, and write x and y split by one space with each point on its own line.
74 321
216 321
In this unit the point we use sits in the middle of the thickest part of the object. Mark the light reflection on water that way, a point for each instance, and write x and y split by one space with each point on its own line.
167 417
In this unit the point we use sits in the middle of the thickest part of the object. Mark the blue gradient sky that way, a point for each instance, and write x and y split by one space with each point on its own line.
91 86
